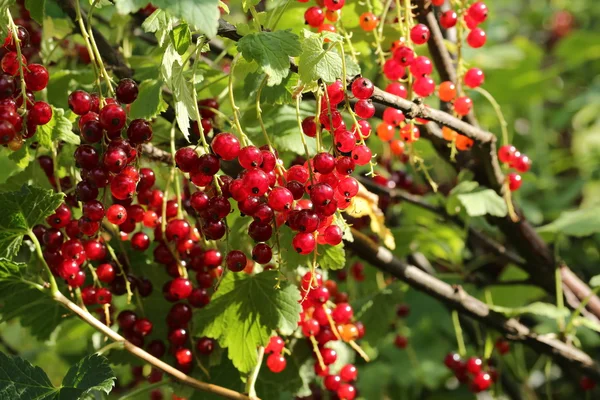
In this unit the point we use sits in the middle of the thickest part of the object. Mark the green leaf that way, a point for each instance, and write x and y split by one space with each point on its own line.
36 9
271 51
377 313
58 129
541 309
152 102
595 281
277 94
332 257
483 202
352 68
247 4
244 312
316 63
23 381
579 223
129 6
24 300
32 174
161 24
20 157
181 38
203 15
21 211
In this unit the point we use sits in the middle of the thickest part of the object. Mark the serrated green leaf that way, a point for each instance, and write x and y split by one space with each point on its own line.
244 312
21 157
151 103
579 223
36 9
332 257
23 381
33 174
129 6
22 299
181 37
160 23
203 15
483 202
317 63
277 94
58 129
541 309
21 211
352 68
271 51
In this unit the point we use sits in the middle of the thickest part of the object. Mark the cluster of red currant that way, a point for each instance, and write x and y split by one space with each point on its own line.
20 118
509 155
472 372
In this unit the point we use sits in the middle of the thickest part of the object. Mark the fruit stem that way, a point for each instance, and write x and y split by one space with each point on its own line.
142 354
135 393
15 34
174 167
88 46
251 383
299 119
348 41
38 249
315 345
498 110
262 124
580 308
462 350
101 67
560 302
111 251
359 350
199 45
236 110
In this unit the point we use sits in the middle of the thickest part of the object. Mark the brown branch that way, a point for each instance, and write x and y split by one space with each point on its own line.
456 298
140 353
488 242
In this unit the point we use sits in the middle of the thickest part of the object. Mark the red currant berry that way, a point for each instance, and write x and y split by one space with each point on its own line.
40 113
478 12
332 382
419 34
103 296
393 70
236 261
205 345
481 381
226 146
364 109
112 118
276 363
362 88
314 16
448 19
139 131
463 105
476 38
514 181
348 373
404 55
36 77
10 63
180 288
127 91
474 77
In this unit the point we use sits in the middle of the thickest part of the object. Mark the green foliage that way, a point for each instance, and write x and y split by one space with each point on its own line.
36 9
152 104
23 381
181 38
475 201
58 129
316 63
27 301
272 52
332 257
22 210
129 6
578 223
376 313
537 308
203 15
244 312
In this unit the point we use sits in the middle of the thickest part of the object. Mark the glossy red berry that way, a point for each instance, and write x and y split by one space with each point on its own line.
7 132
36 77
463 105
520 162
205 345
127 91
142 326
309 126
180 288
304 243
103 296
262 253
342 313
332 382
80 102
139 131
333 235
362 88
448 19
112 117
474 77
476 38
474 365
22 35
122 187
226 146
397 89
314 16
10 63
419 34
236 261
393 70
424 86
346 392
478 12
348 373
276 363
404 55
250 157
364 109
481 381
40 113
514 181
